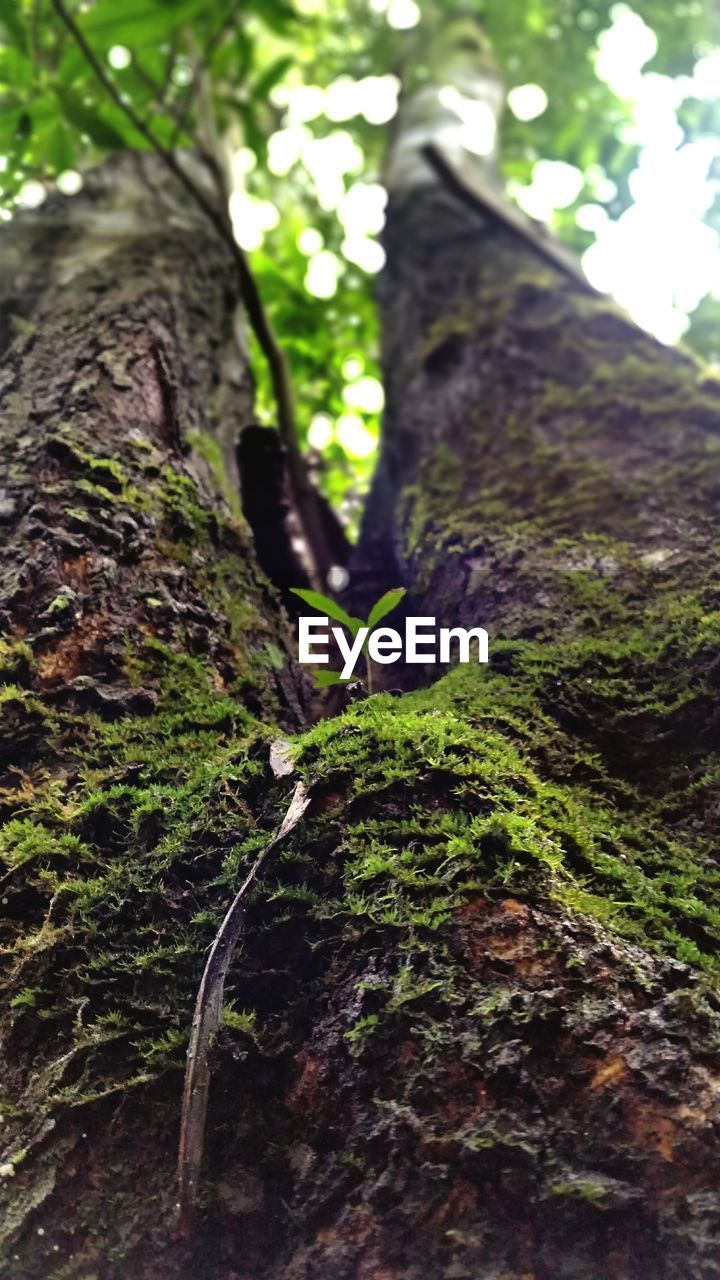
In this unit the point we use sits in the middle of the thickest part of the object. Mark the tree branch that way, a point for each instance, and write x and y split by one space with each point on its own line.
304 496
159 99
199 69
501 212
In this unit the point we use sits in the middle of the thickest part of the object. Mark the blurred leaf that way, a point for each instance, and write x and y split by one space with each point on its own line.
20 131
133 22
60 149
73 65
12 20
385 605
254 45
275 14
704 332
254 135
235 56
88 121
15 69
275 72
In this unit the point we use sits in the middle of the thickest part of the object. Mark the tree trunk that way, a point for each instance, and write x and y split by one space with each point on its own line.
144 661
474 1030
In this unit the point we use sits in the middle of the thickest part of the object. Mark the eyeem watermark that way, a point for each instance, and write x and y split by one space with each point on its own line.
422 641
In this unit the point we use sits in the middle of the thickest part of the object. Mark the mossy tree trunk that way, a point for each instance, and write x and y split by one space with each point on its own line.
473 1027
144 660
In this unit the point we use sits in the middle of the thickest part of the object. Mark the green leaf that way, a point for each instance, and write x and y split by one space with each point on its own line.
234 57
324 605
324 679
385 605
275 14
135 22
19 132
72 65
12 20
255 136
267 81
59 148
15 69
86 119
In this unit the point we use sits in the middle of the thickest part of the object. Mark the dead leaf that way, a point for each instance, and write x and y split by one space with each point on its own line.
206 1022
281 761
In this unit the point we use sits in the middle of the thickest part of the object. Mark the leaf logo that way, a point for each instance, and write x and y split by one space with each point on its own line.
385 605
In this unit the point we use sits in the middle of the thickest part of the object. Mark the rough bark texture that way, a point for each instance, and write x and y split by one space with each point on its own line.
143 662
474 1031
550 472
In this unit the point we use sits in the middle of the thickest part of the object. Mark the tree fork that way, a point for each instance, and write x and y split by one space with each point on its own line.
474 1027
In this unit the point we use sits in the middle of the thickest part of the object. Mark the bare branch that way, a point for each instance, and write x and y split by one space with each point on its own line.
159 95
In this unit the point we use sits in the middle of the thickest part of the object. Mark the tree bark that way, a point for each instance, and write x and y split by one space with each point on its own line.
144 661
475 1023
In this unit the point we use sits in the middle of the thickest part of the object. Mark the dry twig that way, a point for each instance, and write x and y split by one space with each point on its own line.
206 1022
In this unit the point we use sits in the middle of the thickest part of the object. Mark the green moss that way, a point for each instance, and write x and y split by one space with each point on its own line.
16 661
22 715
530 465
594 1191
543 779
106 471
23 839
59 606
421 503
121 861
526 806
129 494
210 449
220 581
180 498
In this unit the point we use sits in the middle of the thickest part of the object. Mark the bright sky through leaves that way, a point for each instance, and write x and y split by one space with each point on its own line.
658 259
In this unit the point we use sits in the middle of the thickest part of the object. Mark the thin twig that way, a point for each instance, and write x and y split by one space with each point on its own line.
199 69
191 134
369 674
169 68
304 495
157 90
206 1023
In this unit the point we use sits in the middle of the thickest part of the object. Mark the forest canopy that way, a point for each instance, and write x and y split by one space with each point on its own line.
610 137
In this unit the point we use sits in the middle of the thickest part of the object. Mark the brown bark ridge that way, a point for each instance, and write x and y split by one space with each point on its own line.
473 1030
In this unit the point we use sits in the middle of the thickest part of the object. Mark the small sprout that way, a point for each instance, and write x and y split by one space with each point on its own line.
382 607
